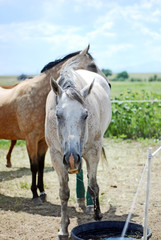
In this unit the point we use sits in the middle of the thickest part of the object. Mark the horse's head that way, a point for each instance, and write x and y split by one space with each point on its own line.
72 120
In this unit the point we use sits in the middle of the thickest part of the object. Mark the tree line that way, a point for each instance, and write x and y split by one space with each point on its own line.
123 76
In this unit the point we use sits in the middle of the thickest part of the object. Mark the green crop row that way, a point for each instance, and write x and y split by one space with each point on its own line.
136 119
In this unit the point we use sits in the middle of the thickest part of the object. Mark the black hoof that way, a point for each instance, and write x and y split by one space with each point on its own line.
43 197
98 216
37 201
8 165
63 237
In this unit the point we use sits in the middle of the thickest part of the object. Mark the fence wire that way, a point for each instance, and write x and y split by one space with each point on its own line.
134 101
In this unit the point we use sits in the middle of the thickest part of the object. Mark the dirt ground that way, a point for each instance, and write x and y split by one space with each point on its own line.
21 219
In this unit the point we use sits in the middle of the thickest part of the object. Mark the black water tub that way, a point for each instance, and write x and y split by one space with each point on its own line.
107 230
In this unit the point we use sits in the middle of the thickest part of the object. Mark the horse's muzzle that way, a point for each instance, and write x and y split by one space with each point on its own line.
73 162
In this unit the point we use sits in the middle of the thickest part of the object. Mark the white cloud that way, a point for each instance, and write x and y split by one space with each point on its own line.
152 34
102 30
27 31
114 49
97 4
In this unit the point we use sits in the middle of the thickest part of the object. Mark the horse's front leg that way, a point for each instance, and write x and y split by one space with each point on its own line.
64 192
64 196
92 159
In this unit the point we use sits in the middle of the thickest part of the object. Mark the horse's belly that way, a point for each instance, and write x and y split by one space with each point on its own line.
9 128
11 133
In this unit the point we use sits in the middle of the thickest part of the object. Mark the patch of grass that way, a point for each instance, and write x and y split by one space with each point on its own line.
24 185
6 143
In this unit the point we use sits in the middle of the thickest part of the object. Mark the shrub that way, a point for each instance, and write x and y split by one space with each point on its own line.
23 77
107 72
136 80
122 76
154 78
133 119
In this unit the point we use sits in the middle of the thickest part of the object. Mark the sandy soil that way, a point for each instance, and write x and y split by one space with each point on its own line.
21 219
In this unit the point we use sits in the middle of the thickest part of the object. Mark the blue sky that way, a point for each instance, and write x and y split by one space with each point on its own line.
123 34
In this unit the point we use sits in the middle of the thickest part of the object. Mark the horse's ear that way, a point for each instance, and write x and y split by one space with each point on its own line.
87 89
85 51
56 88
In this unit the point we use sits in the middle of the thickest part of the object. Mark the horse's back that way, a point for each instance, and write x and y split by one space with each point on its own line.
20 105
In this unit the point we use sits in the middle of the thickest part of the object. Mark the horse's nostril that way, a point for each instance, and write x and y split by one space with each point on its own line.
72 160
64 160
78 157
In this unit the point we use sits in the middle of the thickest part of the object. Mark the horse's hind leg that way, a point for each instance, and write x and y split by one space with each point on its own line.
42 148
8 157
32 148
92 160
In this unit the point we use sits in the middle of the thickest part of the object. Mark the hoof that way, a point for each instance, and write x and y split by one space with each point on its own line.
89 209
63 237
81 204
98 216
43 197
9 165
37 201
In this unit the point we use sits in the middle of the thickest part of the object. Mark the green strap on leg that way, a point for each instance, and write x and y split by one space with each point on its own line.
80 189
89 198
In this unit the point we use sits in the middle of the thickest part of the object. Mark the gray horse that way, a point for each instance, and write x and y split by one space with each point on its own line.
78 112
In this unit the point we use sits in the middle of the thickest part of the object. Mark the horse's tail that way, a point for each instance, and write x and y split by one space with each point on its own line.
103 157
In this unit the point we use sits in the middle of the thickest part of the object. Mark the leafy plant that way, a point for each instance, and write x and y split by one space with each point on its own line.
24 185
136 119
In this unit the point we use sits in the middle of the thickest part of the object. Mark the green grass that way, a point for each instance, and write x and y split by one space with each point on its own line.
6 143
122 87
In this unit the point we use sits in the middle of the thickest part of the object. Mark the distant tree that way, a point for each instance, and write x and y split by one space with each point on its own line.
122 75
23 77
107 72
153 78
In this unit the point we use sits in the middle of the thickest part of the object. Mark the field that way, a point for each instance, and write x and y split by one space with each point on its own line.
8 80
122 87
118 180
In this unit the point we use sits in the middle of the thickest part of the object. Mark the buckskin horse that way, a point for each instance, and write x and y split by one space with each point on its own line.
22 113
78 112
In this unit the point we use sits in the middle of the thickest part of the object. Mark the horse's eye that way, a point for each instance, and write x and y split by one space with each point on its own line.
59 116
85 115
